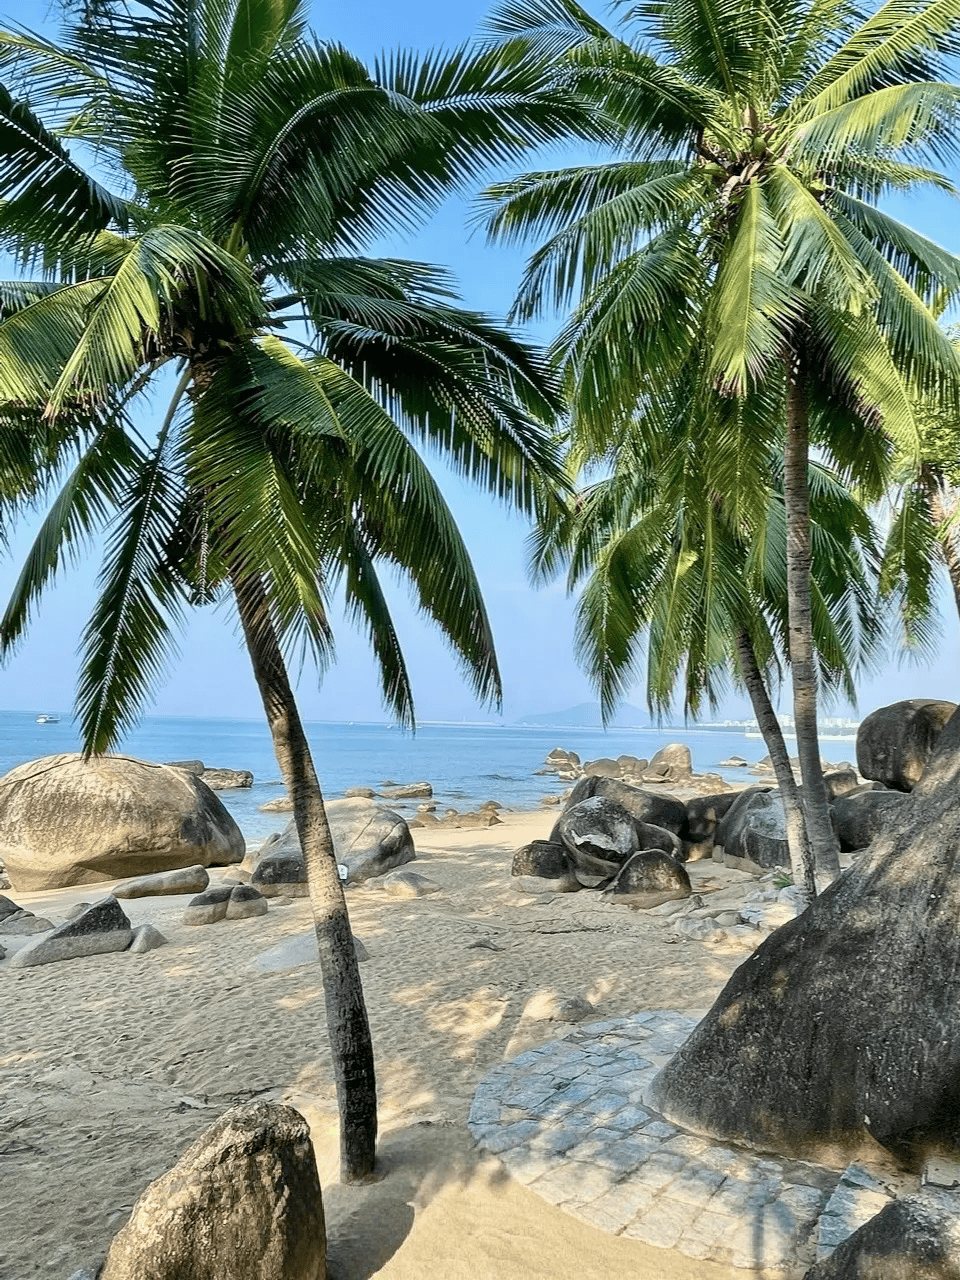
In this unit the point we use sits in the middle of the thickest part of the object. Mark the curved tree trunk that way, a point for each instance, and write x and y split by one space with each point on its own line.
803 671
934 490
350 1044
801 857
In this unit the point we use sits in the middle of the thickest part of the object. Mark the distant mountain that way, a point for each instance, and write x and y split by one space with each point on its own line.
587 716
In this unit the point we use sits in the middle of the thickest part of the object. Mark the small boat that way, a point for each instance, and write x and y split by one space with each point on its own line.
45 719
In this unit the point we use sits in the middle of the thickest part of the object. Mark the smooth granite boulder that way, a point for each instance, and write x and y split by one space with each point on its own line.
146 937
895 742
69 821
227 779
599 836
860 816
208 907
649 878
245 902
101 928
672 763
840 782
843 1028
369 840
646 806
729 826
407 791
546 858
913 1238
243 1202
187 880
650 836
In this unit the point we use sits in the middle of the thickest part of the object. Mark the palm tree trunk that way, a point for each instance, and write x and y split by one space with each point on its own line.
823 840
934 489
801 857
347 1027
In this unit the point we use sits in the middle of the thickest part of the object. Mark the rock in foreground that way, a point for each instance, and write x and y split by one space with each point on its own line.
243 1202
916 1238
369 839
68 821
894 743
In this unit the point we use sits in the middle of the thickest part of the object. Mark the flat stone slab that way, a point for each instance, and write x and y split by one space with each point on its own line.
570 1119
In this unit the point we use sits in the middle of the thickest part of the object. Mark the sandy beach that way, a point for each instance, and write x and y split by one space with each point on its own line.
111 1065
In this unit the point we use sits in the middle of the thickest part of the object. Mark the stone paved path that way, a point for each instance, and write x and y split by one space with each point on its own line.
570 1120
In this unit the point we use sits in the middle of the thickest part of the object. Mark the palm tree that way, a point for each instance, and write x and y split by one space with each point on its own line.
253 166
676 582
740 217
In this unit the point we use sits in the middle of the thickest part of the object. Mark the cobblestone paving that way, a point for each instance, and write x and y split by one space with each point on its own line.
570 1120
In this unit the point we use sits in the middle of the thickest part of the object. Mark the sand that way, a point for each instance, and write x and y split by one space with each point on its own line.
111 1065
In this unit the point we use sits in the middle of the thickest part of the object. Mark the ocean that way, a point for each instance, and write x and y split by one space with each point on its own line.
465 763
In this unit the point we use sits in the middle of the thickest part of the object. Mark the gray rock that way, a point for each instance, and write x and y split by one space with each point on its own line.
408 791
840 782
146 938
861 816
281 873
672 763
227 779
547 884
191 766
244 1200
599 836
245 901
895 742
280 804
545 859
78 909
602 768
704 813
753 833
407 884
102 928
24 924
646 806
915 1238
7 907
650 836
369 840
360 793
186 880
69 821
208 907
649 879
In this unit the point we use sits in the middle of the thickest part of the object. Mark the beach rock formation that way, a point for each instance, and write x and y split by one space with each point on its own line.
279 804
102 927
67 821
599 836
754 835
672 763
191 766
844 1026
245 902
208 907
602 768
703 815
650 878
244 1200
187 880
227 779
840 782
895 742
646 806
407 791
360 793
860 816
369 840
913 1238
146 937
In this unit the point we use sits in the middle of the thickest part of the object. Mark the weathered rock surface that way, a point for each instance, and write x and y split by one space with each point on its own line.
369 839
860 816
840 782
25 923
279 804
360 793
894 743
191 766
825 1064
65 821
243 1201
187 880
146 938
407 791
545 858
598 834
913 1238
7 907
244 902
408 884
672 763
103 927
208 907
604 767
646 806
227 779
650 878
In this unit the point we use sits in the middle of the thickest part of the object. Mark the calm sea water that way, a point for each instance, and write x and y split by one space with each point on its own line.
465 763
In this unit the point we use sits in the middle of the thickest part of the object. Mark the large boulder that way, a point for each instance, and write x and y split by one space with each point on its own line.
649 878
598 834
68 821
244 1200
915 1238
672 763
843 1028
227 779
703 815
753 833
369 839
646 806
894 743
860 816
101 927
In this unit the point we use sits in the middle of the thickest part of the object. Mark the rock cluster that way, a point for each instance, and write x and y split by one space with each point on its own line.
671 764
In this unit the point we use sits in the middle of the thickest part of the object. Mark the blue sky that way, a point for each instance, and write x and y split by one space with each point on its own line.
533 630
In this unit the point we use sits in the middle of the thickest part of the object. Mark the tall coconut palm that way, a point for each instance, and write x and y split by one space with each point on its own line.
742 218
676 581
247 167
